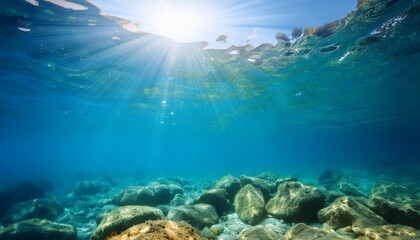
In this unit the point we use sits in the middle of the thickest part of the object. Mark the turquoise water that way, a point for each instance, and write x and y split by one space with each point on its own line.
81 95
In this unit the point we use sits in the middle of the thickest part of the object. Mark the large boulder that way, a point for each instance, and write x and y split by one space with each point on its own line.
43 208
38 229
259 233
198 215
123 218
346 211
91 187
395 203
215 197
18 193
152 195
296 202
231 184
158 230
302 231
266 187
249 205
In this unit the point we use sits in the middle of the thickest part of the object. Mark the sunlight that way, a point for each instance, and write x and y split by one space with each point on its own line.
179 23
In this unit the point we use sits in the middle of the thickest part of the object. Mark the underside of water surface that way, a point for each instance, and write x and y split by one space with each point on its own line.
82 98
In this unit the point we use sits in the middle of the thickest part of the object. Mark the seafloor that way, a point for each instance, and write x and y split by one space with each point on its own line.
336 205
382 203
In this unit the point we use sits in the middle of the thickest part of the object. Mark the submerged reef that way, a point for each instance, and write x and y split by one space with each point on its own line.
201 209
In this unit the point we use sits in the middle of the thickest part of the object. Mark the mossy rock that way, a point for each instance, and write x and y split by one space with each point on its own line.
249 205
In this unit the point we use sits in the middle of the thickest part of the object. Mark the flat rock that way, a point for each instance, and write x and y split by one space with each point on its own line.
42 208
152 195
296 202
388 232
199 215
265 186
38 229
249 205
158 230
259 233
395 203
346 211
302 231
231 184
123 218
91 188
215 197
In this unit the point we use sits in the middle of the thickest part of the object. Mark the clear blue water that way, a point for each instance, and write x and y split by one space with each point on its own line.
76 98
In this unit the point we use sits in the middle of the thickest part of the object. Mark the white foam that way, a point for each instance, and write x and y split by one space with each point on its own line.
24 29
344 56
131 27
234 52
68 5
33 2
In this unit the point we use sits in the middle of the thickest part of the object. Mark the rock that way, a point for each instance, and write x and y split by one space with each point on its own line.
164 208
269 175
123 218
175 180
179 200
217 229
283 180
42 208
296 202
151 195
165 192
345 211
395 203
259 233
158 230
331 196
349 189
330 178
198 215
302 231
91 188
388 232
249 205
215 197
266 187
38 229
231 184
18 193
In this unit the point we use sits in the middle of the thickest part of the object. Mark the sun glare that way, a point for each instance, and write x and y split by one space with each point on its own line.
179 23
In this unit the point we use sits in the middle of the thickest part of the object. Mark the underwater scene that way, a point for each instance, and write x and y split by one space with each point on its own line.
109 130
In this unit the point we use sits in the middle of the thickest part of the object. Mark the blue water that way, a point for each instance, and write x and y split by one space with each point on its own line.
99 100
